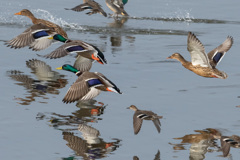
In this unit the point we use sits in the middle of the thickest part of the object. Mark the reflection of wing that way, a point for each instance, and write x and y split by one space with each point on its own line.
42 70
25 80
157 156
135 158
88 130
77 144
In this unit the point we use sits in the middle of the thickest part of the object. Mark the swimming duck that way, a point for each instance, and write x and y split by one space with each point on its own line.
77 46
36 37
117 6
141 115
88 85
58 29
93 6
204 64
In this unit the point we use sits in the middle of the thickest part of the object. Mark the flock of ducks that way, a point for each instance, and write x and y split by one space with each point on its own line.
89 84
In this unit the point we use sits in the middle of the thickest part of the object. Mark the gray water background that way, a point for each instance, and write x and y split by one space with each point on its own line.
137 65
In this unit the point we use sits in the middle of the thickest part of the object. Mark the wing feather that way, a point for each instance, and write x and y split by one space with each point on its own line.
197 51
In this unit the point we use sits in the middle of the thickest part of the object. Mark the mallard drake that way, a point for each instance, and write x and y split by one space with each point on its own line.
91 5
141 115
124 2
58 29
88 85
77 46
117 6
36 37
204 64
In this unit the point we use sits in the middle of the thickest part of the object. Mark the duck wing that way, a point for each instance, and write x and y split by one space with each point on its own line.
108 83
31 35
157 124
80 7
137 122
67 48
82 64
216 55
197 51
225 145
96 8
83 88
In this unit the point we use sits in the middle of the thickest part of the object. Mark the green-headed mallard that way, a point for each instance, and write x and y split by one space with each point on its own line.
91 5
36 37
58 29
117 6
76 46
88 85
204 64
141 115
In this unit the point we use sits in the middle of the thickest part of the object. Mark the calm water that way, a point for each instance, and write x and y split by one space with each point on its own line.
35 124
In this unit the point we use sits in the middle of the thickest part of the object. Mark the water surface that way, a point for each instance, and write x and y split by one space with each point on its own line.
36 124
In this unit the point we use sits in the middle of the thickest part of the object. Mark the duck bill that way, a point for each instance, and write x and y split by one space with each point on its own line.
50 37
170 57
97 59
59 68
113 90
224 76
19 13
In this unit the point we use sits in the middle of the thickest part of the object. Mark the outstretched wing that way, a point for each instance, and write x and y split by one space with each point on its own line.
216 55
197 51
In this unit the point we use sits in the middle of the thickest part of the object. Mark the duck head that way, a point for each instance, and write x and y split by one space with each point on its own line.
99 56
220 74
24 12
176 56
60 38
68 67
133 107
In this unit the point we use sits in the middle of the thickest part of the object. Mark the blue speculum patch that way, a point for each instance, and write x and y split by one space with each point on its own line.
39 34
75 48
217 57
93 82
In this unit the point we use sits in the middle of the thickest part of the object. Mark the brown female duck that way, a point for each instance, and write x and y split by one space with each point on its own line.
58 29
201 63
141 115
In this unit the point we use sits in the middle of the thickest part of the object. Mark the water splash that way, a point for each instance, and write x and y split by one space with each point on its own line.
43 14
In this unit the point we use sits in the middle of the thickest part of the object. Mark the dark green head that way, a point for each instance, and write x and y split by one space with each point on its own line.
68 67
60 38
124 1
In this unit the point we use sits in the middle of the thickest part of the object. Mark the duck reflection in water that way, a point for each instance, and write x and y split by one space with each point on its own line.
157 156
201 143
47 81
89 112
90 146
